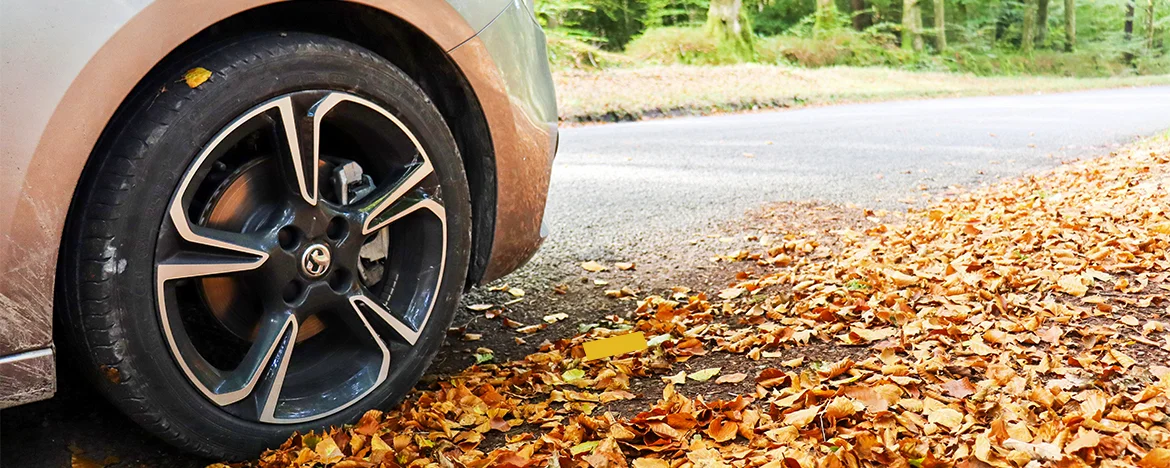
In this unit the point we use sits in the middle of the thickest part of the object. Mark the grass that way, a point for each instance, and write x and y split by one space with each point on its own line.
878 46
621 94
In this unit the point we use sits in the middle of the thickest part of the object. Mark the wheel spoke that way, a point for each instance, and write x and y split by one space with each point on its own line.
270 349
299 131
232 252
407 333
358 323
273 373
399 200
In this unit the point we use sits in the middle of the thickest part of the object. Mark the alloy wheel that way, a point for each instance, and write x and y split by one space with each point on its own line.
300 257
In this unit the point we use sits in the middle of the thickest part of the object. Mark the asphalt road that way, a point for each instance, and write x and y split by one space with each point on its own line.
626 191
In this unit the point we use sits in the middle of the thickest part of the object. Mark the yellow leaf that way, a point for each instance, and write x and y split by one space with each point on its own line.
731 293
328 451
1156 458
704 375
196 76
1123 360
1072 284
592 266
677 379
901 279
949 417
650 463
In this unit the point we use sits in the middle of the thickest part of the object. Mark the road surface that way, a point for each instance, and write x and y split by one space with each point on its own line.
624 191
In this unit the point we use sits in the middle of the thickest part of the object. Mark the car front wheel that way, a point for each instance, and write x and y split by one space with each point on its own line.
275 248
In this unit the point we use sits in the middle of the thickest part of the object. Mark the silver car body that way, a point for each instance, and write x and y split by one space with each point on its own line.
66 66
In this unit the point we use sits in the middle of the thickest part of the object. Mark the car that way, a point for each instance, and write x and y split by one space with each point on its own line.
252 217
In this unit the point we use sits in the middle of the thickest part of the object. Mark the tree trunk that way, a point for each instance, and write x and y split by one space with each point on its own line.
861 18
919 43
825 18
1028 32
1150 25
1129 7
911 25
940 25
727 23
1129 13
1042 23
1070 25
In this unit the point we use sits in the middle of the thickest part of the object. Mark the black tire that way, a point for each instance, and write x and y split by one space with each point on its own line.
107 274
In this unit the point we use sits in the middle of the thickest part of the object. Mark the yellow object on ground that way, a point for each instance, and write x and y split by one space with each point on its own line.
614 346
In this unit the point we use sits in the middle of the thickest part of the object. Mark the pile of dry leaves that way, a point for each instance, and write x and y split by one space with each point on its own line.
1023 325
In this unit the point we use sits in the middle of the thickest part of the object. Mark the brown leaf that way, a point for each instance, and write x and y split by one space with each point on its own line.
722 430
1156 458
840 407
801 418
874 403
1086 438
772 377
682 421
836 368
731 378
1071 284
368 424
948 417
961 388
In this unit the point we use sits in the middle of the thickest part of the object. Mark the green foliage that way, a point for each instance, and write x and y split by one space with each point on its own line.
571 52
689 45
984 36
781 15
873 47
675 12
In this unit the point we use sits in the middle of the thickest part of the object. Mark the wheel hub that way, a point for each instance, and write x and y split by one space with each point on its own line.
315 261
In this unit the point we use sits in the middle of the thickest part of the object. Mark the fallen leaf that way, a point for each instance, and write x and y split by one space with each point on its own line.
592 266
704 375
196 76
722 430
948 417
731 378
1072 284
801 418
960 389
573 375
731 293
1086 438
328 451
650 463
1156 458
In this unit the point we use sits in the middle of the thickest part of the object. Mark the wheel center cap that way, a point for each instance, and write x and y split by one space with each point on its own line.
315 261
